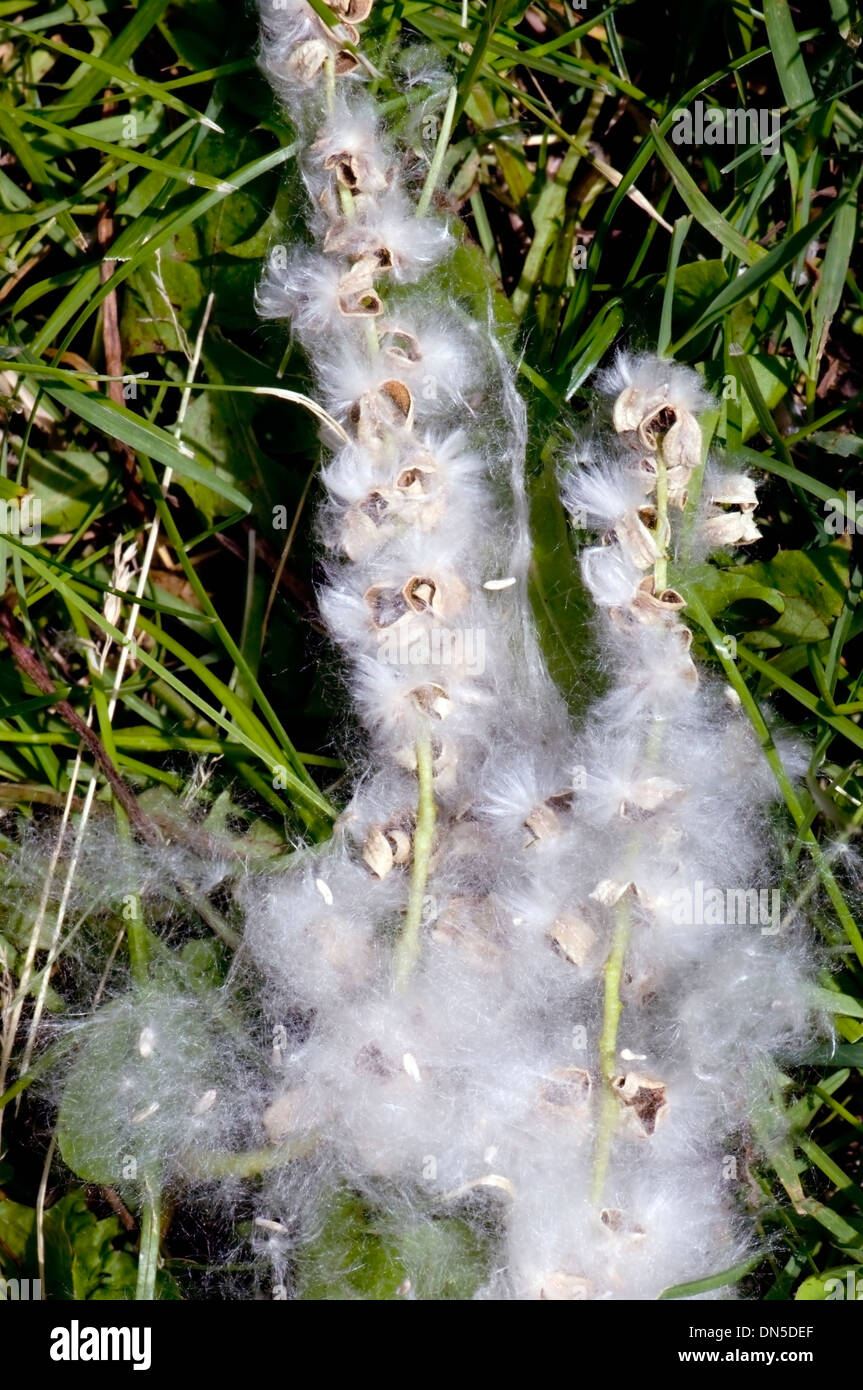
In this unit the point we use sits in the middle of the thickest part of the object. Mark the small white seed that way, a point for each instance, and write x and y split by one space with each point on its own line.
325 891
409 1062
142 1115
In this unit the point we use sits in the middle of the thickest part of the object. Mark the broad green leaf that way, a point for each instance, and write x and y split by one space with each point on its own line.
69 483
813 584
17 1229
719 588
562 609
831 1285
351 1259
360 1254
839 1003
119 1116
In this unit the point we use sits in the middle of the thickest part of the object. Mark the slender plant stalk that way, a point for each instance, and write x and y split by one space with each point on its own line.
407 950
439 155
613 1007
40 1212
148 1255
613 969
660 568
252 1164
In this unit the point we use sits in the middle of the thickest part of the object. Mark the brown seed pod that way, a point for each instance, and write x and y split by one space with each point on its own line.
647 796
681 447
645 1102
567 1092
378 413
433 700
573 938
730 528
609 891
733 490
355 11
652 607
418 492
308 59
632 408
398 343
343 31
422 594
356 171
357 296
546 820
364 524
677 480
360 244
635 535
644 418
389 845
617 1223
644 472
419 478
470 925
359 301
387 605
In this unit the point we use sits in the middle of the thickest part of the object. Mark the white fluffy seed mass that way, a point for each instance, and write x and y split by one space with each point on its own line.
606 966
541 976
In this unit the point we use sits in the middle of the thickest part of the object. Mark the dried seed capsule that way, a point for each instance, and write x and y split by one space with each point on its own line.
645 1101
389 845
573 937
567 1092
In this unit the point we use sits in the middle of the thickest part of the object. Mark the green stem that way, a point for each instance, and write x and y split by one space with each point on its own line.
408 947
439 155
613 971
148 1252
251 1164
660 568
